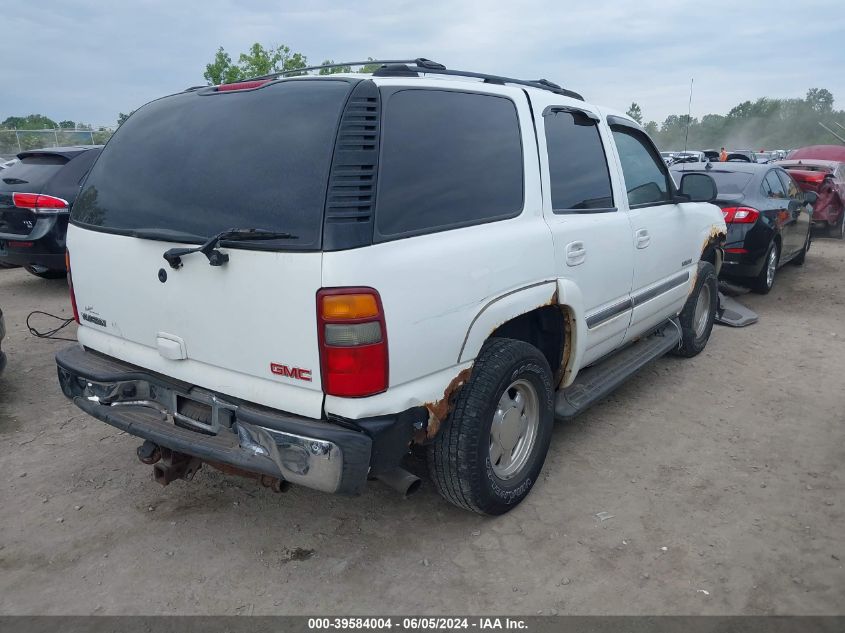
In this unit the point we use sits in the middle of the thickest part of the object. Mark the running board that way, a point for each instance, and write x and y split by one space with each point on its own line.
596 382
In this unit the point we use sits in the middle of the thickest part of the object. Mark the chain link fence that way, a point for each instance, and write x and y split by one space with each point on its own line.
13 141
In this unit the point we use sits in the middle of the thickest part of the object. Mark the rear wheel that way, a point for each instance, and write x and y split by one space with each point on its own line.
763 283
699 313
44 272
489 454
839 229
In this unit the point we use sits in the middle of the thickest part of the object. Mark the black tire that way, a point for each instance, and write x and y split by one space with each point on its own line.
5 265
46 273
838 231
459 457
761 284
694 334
798 260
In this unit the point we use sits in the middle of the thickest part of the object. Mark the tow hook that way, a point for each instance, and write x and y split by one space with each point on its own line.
174 465
149 453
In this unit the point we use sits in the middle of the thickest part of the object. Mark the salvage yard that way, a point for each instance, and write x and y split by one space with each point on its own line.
713 485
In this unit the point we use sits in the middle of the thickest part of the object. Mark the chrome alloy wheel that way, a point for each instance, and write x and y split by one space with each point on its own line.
702 311
771 267
514 430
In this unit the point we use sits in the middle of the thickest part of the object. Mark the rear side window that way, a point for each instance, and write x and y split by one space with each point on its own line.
198 163
448 159
646 177
31 173
578 172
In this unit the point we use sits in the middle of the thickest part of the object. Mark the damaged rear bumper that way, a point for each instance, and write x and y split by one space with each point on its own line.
317 454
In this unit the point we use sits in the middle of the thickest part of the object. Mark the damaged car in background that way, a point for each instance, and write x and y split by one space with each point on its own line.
821 169
421 256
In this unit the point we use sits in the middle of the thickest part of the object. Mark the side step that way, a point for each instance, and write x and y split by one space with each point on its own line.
596 382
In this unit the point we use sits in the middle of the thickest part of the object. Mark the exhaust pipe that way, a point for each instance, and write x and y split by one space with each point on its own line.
400 480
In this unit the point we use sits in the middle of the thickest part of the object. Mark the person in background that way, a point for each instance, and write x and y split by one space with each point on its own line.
723 156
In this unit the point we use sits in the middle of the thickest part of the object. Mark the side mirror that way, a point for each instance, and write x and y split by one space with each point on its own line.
810 197
697 187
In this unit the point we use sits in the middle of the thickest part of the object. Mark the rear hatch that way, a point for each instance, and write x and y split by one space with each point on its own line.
182 169
30 175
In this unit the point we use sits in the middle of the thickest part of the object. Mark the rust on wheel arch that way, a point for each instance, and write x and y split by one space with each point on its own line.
563 372
440 409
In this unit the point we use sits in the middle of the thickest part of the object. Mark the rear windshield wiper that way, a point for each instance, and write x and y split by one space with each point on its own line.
209 248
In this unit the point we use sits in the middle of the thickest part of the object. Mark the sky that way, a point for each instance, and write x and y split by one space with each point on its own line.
88 60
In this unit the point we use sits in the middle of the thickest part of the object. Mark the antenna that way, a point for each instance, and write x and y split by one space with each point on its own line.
832 132
689 119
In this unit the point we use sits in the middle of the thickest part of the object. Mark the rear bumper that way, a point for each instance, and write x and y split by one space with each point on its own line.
45 244
318 454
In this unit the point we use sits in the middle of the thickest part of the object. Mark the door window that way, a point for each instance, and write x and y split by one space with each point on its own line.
646 176
773 187
792 190
580 180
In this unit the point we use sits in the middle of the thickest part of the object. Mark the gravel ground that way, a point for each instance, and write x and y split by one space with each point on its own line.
721 478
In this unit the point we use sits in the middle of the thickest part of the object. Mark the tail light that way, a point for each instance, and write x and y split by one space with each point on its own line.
740 215
70 286
353 342
39 203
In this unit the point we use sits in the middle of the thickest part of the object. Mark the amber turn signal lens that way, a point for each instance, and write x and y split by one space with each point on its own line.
351 306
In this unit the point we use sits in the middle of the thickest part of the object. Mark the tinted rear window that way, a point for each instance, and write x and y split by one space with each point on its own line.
203 163
448 159
31 173
727 182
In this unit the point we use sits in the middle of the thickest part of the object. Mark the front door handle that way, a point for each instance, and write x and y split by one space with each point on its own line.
643 238
576 253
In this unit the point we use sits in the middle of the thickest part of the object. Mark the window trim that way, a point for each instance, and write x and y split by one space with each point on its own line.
596 120
632 129
388 92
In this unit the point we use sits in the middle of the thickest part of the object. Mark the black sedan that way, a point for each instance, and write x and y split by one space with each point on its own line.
35 197
768 219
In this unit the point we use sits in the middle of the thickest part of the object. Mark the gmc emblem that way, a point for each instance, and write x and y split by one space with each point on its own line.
297 373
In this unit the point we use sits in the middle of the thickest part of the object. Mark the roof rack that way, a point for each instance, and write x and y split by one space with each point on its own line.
422 65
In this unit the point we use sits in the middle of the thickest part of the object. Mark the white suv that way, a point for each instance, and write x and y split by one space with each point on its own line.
425 257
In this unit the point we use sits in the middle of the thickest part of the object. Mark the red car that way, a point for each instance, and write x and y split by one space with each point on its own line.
821 168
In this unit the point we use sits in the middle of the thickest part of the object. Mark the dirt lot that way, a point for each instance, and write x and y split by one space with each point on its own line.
723 475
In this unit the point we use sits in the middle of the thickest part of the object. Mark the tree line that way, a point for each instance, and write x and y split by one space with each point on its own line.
766 123
762 124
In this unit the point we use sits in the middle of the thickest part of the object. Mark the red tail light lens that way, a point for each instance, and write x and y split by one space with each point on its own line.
353 342
39 203
740 215
70 286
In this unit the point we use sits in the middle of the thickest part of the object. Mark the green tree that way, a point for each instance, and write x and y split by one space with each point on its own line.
334 71
256 62
820 100
29 122
67 125
121 118
635 113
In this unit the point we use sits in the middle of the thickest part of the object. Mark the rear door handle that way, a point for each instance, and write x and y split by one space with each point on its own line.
576 253
643 238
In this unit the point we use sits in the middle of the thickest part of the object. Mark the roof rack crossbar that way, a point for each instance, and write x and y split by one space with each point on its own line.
423 65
